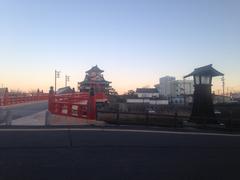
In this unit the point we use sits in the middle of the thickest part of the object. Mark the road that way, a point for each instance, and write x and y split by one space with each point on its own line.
117 154
22 110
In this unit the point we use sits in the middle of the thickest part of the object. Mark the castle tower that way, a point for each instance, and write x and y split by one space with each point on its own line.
94 79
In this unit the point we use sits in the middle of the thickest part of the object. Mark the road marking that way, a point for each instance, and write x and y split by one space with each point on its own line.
119 130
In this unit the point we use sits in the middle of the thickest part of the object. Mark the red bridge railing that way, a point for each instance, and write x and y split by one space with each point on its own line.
80 105
11 100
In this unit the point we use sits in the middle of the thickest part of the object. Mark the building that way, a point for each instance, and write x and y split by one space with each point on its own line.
164 86
65 90
147 93
182 100
170 87
181 88
220 99
147 101
94 79
235 97
147 96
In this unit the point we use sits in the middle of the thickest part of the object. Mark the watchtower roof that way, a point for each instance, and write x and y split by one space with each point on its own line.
205 71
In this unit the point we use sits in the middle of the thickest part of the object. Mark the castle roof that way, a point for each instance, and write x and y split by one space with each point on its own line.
95 69
94 82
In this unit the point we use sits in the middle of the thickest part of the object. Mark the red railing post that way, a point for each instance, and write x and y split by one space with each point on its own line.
5 98
38 94
51 100
92 105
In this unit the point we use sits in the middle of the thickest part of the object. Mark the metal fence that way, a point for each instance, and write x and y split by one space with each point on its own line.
177 121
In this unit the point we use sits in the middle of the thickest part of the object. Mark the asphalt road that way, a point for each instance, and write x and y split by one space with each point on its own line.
117 154
22 110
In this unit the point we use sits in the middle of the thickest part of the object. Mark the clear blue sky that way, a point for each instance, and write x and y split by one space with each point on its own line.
134 41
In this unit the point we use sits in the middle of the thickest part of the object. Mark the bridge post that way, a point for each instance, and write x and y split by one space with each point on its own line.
92 105
38 95
51 100
5 98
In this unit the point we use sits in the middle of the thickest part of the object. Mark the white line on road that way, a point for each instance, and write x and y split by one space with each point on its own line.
120 130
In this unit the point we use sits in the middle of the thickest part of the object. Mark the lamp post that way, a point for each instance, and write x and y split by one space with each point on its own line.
57 75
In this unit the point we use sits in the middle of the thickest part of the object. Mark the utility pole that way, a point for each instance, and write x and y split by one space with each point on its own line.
57 75
184 90
223 86
67 79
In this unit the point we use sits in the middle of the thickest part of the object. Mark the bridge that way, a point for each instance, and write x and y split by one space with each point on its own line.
80 105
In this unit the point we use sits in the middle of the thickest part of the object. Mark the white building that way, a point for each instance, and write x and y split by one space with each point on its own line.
148 101
147 96
147 93
181 87
170 87
164 85
181 100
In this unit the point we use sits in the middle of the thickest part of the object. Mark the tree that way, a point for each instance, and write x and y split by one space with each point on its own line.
113 92
131 93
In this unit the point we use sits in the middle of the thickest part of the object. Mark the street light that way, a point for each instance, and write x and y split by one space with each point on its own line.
57 75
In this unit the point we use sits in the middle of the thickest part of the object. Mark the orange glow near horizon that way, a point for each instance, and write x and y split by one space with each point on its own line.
25 82
35 77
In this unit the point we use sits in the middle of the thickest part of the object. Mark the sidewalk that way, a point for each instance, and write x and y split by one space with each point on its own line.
59 120
37 119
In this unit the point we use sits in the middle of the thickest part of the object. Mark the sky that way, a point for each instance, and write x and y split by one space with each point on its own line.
134 41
